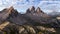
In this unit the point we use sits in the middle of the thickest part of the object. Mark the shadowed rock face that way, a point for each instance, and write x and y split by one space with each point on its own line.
17 20
31 10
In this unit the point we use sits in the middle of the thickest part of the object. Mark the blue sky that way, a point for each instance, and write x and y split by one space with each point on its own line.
22 5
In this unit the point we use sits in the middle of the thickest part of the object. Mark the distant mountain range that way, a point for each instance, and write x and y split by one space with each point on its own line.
54 14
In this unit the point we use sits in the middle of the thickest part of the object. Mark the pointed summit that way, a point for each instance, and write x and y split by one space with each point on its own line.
32 9
10 9
4 14
28 11
38 10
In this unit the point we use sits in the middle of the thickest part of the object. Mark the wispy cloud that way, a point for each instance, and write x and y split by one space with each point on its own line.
22 5
49 6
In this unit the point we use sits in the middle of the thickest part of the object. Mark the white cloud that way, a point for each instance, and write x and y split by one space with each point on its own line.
22 5
49 5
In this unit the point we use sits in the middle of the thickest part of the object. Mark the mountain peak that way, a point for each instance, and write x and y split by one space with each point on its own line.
38 10
10 9
32 8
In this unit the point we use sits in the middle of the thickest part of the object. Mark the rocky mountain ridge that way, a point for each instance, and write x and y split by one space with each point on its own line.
32 16
31 22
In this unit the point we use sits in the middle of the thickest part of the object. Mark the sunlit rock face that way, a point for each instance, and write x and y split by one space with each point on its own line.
40 12
4 14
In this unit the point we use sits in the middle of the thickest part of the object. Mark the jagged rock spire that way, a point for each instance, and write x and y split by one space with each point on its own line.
38 10
32 9
28 11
